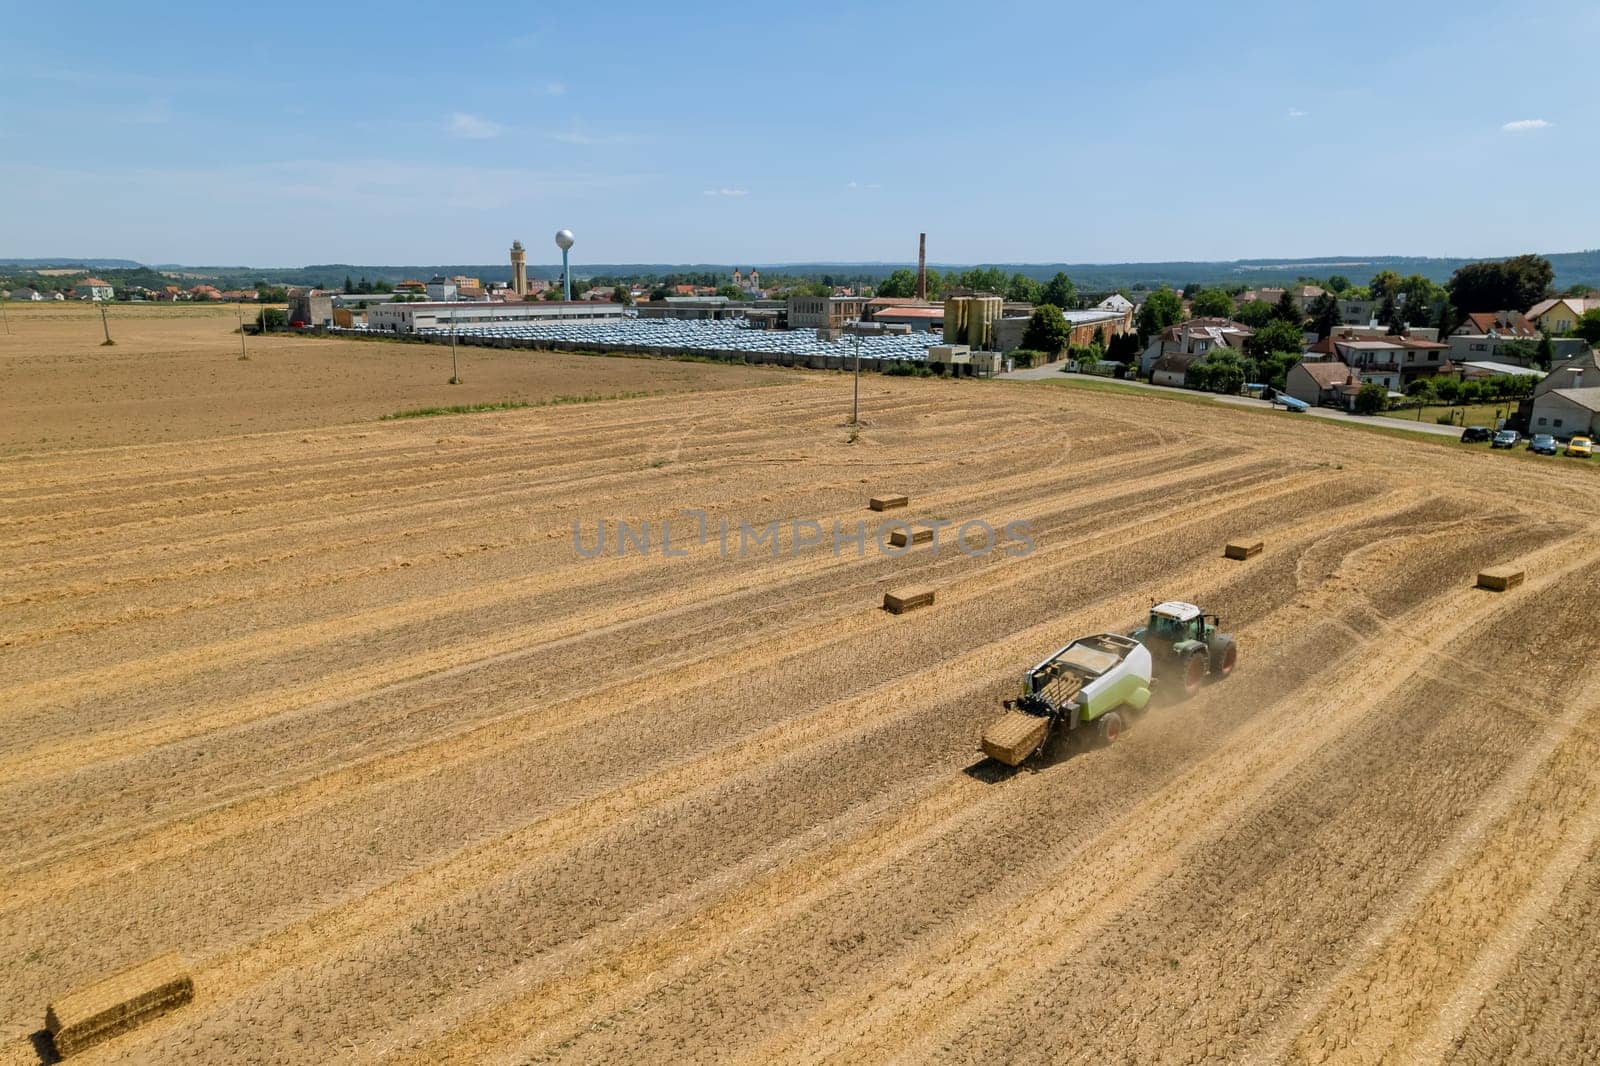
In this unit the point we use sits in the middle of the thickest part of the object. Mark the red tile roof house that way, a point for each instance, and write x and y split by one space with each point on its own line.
1392 362
1328 383
1194 337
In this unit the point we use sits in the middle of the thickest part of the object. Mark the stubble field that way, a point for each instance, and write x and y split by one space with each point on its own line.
334 708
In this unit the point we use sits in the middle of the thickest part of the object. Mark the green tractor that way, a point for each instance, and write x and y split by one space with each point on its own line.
1186 646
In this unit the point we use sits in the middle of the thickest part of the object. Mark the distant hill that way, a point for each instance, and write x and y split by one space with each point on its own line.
1571 268
69 261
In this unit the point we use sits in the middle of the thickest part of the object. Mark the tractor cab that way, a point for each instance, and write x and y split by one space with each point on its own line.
1174 622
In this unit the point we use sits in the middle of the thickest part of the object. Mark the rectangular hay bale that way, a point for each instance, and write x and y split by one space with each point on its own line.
899 601
1014 736
901 538
1500 578
117 1003
1243 549
886 503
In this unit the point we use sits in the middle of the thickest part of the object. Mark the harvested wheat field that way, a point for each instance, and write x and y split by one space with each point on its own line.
345 719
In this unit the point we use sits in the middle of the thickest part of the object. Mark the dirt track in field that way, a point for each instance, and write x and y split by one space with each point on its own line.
344 717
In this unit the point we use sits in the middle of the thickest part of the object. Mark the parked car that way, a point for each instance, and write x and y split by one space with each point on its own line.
1582 447
1543 444
1506 438
1475 434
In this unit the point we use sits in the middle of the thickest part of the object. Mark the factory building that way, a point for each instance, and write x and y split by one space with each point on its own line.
410 317
825 312
1085 326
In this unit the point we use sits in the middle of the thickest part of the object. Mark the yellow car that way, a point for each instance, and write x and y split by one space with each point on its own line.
1582 447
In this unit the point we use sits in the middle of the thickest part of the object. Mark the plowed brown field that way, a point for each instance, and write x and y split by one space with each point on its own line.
342 715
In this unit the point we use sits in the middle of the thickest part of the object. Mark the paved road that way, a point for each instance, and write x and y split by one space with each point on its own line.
1052 371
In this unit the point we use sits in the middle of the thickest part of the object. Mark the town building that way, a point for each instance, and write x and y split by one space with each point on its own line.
825 312
441 289
1390 361
1567 400
1085 327
94 289
1506 337
1322 384
1561 314
411 317
918 319
310 307
1197 336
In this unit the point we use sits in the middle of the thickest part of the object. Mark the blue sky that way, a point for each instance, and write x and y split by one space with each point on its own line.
1029 132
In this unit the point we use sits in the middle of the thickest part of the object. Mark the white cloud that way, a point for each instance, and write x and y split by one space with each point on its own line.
862 185
553 88
1523 125
472 127
728 190
1295 112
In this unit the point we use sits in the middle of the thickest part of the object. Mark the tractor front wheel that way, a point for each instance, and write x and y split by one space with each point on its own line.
1194 673
1110 727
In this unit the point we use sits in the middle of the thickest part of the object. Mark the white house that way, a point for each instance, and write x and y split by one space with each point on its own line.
94 289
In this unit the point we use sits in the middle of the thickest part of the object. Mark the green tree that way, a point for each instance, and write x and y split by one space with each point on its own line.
1421 296
1385 283
1389 315
1446 321
984 279
1514 284
1446 388
1060 291
1212 303
1254 314
1325 314
1047 331
1023 289
1275 336
1225 371
1588 326
1160 309
621 295
349 286
1337 284
1545 354
902 284
732 292
1287 309
1371 398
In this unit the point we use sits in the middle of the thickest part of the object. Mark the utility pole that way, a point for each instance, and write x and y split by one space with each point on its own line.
855 402
240 307
455 375
4 318
103 325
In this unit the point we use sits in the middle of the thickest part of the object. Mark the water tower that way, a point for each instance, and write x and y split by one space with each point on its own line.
564 242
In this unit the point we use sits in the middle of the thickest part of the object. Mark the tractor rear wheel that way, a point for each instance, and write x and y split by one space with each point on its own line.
1224 656
1194 673
1110 727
